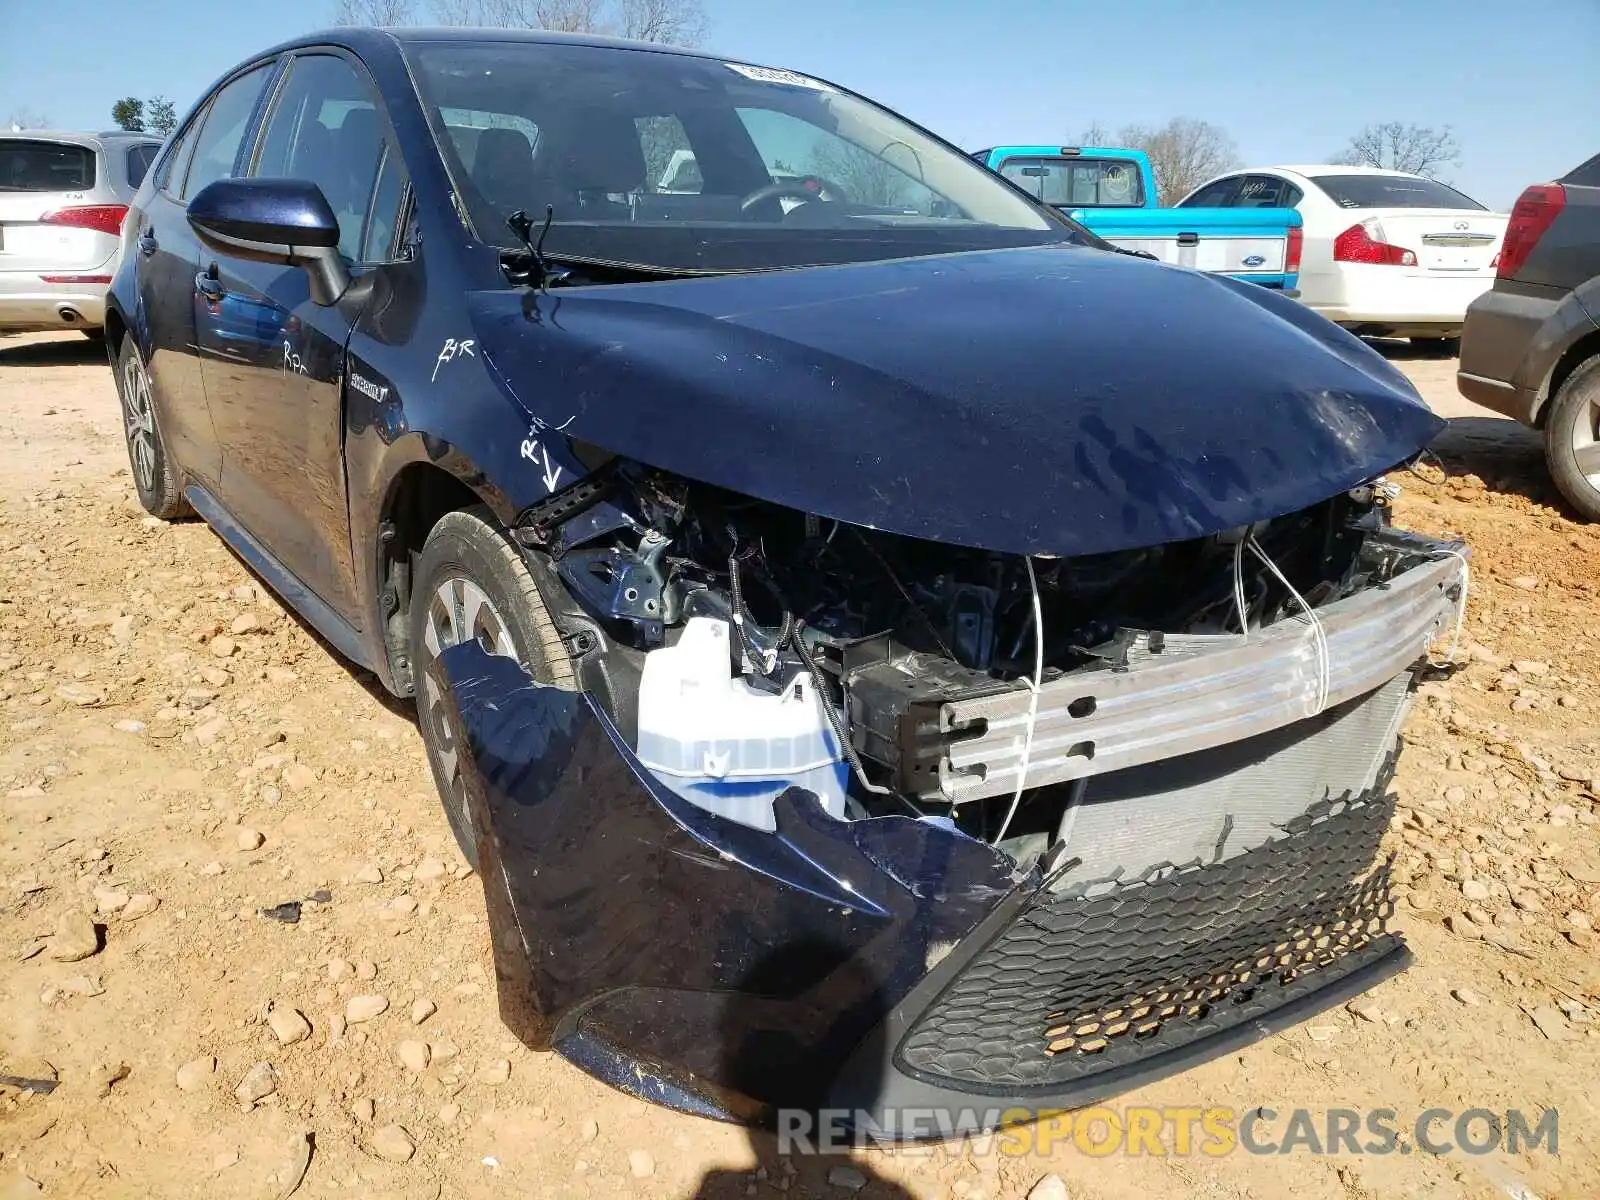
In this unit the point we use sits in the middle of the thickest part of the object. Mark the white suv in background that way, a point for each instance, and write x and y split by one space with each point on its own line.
62 200
1386 253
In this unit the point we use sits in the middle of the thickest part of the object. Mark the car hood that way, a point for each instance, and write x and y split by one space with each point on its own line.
1051 400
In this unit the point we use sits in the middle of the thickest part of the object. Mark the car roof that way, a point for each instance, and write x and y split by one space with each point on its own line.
1312 170
357 35
78 137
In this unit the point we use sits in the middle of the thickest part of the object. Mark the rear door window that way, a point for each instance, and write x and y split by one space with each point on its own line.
1392 191
139 160
28 165
217 146
1219 194
1078 182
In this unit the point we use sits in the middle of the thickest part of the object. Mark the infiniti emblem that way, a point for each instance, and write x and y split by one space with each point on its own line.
1461 225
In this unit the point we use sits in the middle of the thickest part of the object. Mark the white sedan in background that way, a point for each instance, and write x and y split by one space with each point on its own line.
1386 253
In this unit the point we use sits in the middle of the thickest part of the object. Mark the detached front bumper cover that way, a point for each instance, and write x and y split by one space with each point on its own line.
885 963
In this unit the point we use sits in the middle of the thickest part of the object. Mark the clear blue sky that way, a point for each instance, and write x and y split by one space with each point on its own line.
1518 81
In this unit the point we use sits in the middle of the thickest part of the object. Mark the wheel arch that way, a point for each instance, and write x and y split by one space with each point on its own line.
116 328
426 481
1575 355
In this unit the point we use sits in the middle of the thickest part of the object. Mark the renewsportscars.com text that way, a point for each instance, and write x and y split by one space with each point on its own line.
1180 1132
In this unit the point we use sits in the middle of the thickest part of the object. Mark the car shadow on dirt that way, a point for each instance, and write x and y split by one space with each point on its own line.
1506 456
760 1058
68 352
364 678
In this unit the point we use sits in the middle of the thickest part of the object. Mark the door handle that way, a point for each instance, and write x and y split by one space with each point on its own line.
147 243
208 285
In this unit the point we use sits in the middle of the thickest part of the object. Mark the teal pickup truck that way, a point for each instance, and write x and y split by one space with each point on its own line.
1113 192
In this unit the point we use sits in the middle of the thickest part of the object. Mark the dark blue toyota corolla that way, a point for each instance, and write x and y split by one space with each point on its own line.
884 649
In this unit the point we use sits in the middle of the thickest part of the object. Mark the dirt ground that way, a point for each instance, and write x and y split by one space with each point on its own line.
177 754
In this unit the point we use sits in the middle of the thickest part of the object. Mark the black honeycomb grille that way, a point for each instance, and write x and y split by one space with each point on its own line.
1076 986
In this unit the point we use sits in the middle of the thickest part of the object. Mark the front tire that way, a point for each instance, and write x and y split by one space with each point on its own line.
1572 439
471 582
154 476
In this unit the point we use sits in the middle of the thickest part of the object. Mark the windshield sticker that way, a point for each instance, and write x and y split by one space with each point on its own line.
1117 182
778 75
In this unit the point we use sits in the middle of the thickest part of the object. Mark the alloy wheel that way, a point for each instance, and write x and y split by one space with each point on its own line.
139 422
458 611
1586 441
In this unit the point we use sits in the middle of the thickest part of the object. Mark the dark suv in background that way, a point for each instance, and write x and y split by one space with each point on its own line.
1531 346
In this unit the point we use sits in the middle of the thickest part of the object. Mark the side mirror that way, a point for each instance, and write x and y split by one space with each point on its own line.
274 220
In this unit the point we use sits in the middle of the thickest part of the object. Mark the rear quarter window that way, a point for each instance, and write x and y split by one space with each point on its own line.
28 165
1217 194
1392 191
139 160
1587 175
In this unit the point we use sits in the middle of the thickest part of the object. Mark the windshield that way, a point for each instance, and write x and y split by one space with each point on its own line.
1077 182
682 163
1392 191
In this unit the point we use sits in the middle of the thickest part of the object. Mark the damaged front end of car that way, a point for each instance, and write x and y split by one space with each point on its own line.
846 818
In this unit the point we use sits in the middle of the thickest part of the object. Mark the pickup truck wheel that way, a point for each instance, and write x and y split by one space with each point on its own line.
1572 439
153 475
471 583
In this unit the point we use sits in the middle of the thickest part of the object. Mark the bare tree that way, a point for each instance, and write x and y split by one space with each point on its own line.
865 177
374 12
1420 149
461 12
674 22
26 118
161 115
1183 153
566 16
1096 135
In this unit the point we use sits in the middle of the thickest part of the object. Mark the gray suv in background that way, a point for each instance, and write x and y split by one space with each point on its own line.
1531 345
62 200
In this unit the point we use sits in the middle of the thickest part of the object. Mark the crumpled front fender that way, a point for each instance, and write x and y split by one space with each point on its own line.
680 956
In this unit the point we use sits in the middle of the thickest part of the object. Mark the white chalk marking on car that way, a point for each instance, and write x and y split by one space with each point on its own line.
451 350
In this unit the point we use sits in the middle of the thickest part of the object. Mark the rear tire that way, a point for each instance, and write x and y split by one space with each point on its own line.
154 476
1572 439
470 581
1437 347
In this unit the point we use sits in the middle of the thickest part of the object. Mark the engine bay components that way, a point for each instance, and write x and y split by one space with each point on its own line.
726 744
769 649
